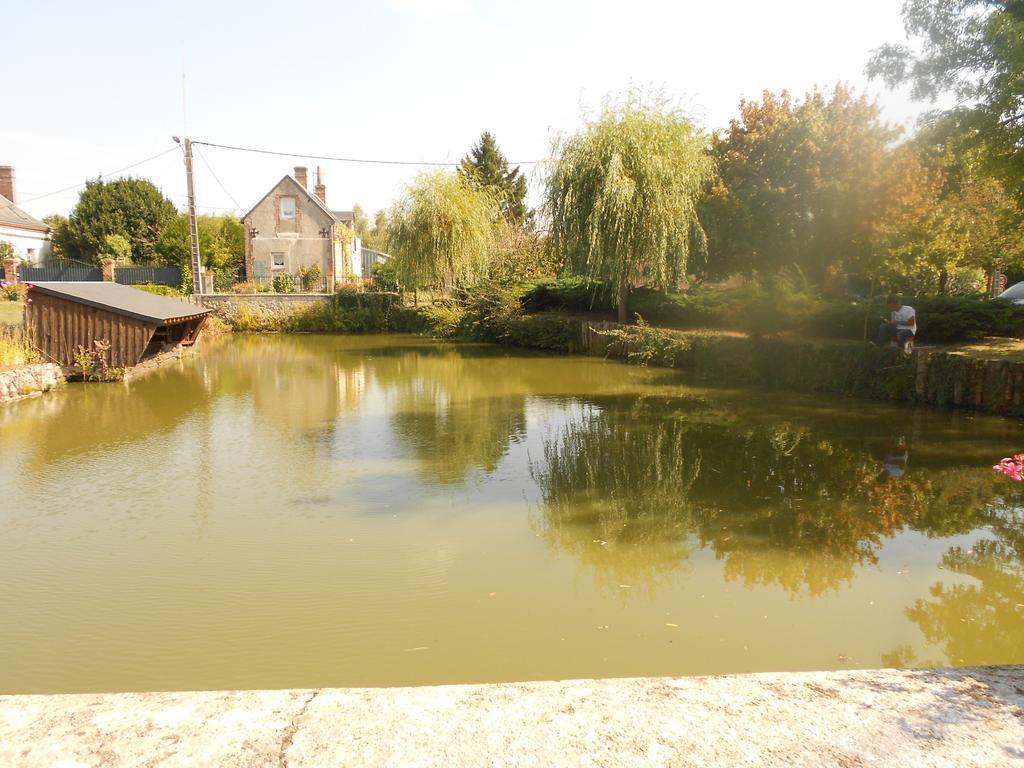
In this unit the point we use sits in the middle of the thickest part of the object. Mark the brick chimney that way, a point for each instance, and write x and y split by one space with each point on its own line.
300 176
7 188
321 190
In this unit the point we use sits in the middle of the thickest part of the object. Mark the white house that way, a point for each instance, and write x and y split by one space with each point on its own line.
29 236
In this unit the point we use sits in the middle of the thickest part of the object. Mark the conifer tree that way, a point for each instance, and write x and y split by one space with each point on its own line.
486 168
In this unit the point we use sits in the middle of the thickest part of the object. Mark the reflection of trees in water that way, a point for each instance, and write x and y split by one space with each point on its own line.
453 410
617 492
775 502
979 622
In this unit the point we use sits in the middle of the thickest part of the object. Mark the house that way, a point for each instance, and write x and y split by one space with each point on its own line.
291 230
138 326
29 236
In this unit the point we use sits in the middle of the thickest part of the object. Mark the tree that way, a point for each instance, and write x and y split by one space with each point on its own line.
378 237
622 195
362 223
221 246
441 233
58 225
962 224
486 168
116 247
973 50
132 208
801 183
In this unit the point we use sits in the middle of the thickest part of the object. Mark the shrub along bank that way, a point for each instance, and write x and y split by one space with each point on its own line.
529 313
490 314
782 306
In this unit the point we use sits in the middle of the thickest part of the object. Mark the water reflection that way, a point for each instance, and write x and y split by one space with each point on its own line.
777 503
980 615
456 409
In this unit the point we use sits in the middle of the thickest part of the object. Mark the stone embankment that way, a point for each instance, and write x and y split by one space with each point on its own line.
261 308
966 717
29 380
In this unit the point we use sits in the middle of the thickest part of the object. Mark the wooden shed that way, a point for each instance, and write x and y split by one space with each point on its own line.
61 317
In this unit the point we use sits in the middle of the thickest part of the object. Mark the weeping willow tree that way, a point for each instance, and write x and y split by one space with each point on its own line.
441 233
622 195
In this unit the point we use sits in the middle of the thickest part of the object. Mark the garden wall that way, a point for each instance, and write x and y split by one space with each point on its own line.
262 306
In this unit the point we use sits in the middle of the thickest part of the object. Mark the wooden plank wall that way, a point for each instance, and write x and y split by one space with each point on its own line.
59 327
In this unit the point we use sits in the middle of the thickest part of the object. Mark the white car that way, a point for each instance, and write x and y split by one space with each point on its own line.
1014 294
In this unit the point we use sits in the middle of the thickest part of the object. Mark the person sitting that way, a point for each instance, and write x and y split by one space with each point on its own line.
901 327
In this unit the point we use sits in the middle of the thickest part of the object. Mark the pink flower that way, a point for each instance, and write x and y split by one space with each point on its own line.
1012 467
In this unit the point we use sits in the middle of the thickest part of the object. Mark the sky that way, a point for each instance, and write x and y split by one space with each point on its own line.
92 88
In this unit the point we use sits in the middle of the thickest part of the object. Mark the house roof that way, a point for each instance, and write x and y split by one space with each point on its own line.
122 300
345 216
12 216
309 195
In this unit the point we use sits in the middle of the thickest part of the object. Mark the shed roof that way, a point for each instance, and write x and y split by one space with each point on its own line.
123 300
12 216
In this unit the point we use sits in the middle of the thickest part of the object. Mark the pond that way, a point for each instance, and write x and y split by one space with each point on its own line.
387 510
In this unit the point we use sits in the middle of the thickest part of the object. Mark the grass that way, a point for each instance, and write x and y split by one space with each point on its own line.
995 348
11 313
14 348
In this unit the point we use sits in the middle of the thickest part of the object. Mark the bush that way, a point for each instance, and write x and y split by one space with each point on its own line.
13 291
311 278
696 308
159 290
284 283
576 294
224 279
490 310
385 277
966 318
495 313
443 318
940 319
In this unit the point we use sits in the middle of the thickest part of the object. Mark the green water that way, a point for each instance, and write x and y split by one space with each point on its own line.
365 511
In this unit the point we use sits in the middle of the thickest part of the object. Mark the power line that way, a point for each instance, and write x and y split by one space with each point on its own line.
367 161
217 179
101 176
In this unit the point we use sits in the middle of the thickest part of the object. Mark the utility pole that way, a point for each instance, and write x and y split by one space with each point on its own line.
193 226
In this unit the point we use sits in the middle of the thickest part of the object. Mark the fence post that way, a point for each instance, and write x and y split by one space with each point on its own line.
108 270
11 271
208 281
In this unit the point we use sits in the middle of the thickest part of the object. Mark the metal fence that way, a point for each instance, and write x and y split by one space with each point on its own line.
152 274
285 282
61 270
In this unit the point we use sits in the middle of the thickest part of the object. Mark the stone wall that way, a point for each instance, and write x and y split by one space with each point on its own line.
28 380
263 308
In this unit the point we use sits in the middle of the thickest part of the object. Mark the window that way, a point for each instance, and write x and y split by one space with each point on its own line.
277 260
288 208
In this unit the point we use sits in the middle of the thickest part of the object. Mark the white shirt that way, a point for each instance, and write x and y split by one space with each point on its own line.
904 318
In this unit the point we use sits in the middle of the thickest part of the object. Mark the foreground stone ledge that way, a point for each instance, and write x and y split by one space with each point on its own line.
965 717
